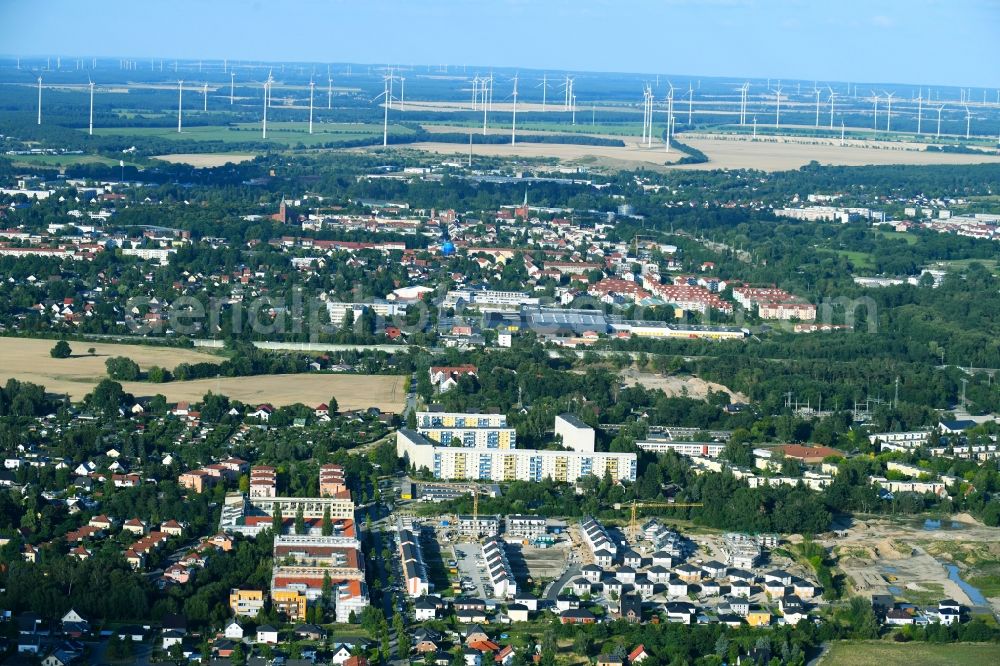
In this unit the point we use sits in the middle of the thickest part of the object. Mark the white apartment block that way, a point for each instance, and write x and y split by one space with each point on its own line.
472 438
338 310
460 420
575 434
902 440
456 463
526 527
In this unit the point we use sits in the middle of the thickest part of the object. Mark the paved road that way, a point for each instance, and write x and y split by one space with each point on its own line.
556 586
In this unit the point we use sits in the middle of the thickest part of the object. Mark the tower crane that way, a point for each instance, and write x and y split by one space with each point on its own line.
634 506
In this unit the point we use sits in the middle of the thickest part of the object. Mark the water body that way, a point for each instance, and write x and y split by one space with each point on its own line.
975 596
931 524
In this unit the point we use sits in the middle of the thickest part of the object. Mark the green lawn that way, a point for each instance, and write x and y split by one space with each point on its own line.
862 260
909 238
282 133
62 160
582 126
884 653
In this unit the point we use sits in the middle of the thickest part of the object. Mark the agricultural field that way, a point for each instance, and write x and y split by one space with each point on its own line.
632 155
279 133
387 392
60 161
203 160
29 360
883 653
583 126
771 154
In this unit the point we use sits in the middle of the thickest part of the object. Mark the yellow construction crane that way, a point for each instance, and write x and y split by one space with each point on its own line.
633 524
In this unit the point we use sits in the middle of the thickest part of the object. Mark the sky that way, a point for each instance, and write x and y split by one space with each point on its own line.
932 42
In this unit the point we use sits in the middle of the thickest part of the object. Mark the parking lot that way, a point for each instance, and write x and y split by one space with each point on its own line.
471 569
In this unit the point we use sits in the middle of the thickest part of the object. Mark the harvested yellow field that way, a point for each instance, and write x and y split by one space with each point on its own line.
29 360
204 160
625 157
782 154
387 392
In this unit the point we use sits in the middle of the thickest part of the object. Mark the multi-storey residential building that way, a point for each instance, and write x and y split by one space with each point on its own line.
702 449
900 441
473 438
454 463
304 562
460 420
339 311
525 527
479 525
332 482
262 481
575 434
773 303
247 602
292 603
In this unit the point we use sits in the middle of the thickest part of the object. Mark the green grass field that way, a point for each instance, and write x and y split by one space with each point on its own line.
862 260
62 160
884 653
582 126
280 133
895 235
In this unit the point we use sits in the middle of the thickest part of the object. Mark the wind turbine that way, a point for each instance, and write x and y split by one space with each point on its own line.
939 110
544 86
816 90
755 127
486 110
777 110
574 109
670 111
875 95
387 94
90 130
329 90
888 122
743 102
312 89
968 122
647 129
267 102
513 117
690 101
920 109
180 103
39 100
833 99
475 91
204 92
